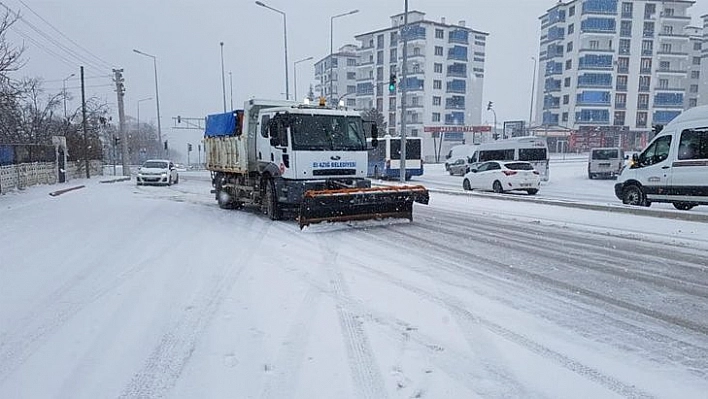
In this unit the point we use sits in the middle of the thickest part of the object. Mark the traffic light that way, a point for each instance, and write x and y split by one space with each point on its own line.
179 119
116 140
489 106
392 83
165 145
495 136
189 147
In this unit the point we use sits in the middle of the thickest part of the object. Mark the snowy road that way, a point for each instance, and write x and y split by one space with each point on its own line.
124 291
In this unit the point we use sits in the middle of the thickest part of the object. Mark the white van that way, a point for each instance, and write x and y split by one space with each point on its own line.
462 151
673 167
605 162
531 149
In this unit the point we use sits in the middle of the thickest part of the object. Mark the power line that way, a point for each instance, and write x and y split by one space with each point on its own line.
86 78
108 65
68 51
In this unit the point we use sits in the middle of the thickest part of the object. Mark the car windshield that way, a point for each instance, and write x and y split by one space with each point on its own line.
155 165
208 199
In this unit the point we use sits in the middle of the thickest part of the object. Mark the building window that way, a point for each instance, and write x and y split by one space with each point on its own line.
565 117
568 64
392 103
571 28
666 47
643 101
439 34
695 75
438 50
351 62
569 47
351 75
436 116
594 44
664 65
394 55
437 100
622 82
697 46
566 99
663 83
571 11
394 38
696 60
619 118
645 65
379 41
649 11
692 102
693 89
379 58
627 10
437 84
566 82
668 12
624 46
641 119
437 68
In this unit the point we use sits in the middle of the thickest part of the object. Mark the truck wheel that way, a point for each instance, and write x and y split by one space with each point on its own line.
223 199
634 195
683 206
532 191
270 202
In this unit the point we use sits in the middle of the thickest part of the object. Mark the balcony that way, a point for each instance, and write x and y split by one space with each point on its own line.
659 88
645 70
457 74
674 17
458 90
622 69
648 33
647 52
672 71
673 35
601 50
620 87
672 54
641 106
620 105
644 88
626 15
668 106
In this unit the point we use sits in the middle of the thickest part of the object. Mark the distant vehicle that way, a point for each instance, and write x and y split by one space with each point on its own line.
528 148
500 176
673 167
605 162
459 167
385 159
457 152
157 171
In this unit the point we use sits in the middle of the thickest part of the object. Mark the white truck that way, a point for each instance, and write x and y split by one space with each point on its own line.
292 158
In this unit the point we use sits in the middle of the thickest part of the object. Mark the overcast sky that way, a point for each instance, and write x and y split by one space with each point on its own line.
185 37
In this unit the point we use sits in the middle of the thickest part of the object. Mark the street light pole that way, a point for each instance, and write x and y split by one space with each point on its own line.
138 129
285 40
533 88
295 74
331 49
404 72
223 81
64 86
157 94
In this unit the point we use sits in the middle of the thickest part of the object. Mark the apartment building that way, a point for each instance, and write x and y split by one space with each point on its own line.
623 65
445 77
693 80
335 75
703 74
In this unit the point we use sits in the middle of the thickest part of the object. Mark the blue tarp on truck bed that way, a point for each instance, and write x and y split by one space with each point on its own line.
221 124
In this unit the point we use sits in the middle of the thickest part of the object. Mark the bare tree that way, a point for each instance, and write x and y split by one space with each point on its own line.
10 55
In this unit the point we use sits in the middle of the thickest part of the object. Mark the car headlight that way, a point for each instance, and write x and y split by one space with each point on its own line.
164 175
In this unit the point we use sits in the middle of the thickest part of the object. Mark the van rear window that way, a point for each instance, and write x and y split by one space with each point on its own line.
604 155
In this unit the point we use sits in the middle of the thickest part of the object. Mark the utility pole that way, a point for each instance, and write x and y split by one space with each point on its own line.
223 81
120 90
404 72
83 113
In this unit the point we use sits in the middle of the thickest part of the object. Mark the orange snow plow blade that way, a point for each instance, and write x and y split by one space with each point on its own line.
360 204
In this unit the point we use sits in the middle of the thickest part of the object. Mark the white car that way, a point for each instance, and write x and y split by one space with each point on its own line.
501 176
157 171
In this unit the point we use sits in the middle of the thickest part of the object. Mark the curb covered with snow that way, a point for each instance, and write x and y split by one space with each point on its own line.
126 178
66 190
633 210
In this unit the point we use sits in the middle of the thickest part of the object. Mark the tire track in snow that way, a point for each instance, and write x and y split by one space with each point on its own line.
459 310
367 378
165 364
57 309
290 357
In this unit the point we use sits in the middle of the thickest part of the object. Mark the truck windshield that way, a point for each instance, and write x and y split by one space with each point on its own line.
327 132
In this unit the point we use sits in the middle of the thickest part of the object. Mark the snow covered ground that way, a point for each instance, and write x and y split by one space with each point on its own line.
122 291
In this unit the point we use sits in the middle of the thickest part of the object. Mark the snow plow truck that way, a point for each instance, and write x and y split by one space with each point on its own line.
297 159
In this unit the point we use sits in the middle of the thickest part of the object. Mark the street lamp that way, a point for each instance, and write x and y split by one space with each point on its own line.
295 74
157 93
533 88
231 85
331 47
285 39
223 81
